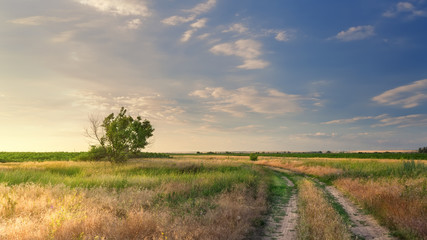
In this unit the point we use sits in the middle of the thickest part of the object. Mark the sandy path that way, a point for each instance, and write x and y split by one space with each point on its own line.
363 225
284 228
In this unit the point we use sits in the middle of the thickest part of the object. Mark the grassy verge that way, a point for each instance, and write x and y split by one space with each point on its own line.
318 220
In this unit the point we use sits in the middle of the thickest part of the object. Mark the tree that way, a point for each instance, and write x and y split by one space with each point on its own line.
422 150
120 136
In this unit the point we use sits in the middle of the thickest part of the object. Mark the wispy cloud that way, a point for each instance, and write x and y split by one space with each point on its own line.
247 49
119 7
202 7
193 13
134 23
405 8
201 23
316 135
356 33
249 99
407 96
38 20
236 27
63 36
279 35
414 120
355 119
152 106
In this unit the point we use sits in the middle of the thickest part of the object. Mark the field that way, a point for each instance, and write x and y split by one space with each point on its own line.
210 197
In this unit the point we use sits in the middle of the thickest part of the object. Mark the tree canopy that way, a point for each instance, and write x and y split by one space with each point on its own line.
119 136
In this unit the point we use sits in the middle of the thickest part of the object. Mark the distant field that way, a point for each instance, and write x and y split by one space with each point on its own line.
60 156
361 155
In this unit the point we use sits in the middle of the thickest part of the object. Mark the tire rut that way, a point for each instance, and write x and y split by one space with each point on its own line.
363 225
282 228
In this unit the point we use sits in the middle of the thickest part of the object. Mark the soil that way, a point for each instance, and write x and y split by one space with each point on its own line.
284 228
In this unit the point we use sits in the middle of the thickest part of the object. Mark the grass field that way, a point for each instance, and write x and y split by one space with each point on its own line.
151 199
394 191
202 197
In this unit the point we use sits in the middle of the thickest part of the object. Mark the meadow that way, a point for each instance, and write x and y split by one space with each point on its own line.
204 196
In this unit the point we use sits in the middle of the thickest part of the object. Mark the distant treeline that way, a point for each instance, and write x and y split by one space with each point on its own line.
376 155
62 156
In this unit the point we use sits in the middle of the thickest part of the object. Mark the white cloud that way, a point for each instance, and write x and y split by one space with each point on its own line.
355 119
249 99
201 23
356 33
202 7
37 20
194 12
194 27
119 7
175 20
247 49
407 96
134 23
203 36
63 37
414 120
282 36
187 35
237 27
405 7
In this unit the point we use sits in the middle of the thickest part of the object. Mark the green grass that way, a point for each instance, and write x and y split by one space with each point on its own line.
382 155
61 156
372 169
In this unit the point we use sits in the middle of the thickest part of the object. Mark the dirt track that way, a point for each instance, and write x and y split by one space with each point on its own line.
285 228
364 226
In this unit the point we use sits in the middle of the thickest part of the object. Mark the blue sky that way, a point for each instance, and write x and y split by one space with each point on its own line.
216 75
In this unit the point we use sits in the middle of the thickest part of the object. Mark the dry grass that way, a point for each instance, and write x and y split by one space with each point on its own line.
401 204
30 211
297 166
318 220
56 211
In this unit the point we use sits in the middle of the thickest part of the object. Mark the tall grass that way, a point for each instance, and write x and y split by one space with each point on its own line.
318 220
384 188
401 205
150 199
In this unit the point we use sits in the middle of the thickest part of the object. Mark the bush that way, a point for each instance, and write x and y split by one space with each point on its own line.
253 157
96 153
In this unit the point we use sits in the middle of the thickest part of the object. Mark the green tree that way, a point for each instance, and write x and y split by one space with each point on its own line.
120 135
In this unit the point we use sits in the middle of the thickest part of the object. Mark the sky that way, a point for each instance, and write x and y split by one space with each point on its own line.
216 75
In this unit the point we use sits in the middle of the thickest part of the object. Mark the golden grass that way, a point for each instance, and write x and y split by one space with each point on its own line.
45 211
401 204
297 166
30 211
317 219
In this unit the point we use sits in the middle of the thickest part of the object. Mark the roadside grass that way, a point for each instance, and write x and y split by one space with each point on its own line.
317 218
394 191
400 204
148 199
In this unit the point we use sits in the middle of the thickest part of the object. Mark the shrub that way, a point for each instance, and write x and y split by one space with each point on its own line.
253 157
